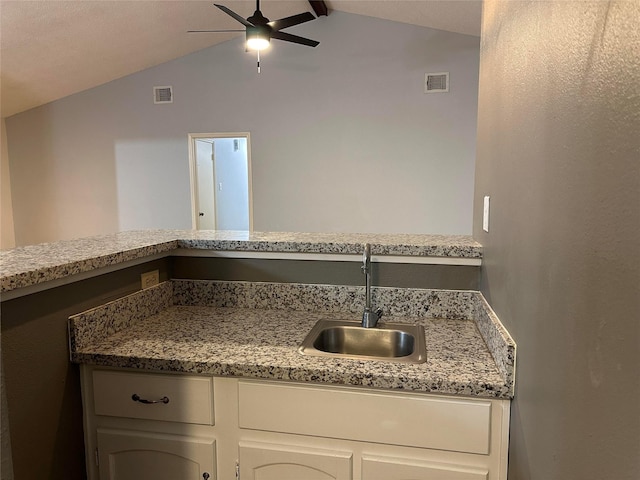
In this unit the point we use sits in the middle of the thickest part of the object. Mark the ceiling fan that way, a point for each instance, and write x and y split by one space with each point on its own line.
260 30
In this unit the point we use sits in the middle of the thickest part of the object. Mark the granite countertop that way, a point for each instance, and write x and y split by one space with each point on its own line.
37 264
232 337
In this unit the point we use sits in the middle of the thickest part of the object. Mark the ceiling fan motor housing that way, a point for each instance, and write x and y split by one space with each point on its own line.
258 19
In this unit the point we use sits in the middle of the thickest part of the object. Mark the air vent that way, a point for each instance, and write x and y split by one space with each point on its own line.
162 94
436 82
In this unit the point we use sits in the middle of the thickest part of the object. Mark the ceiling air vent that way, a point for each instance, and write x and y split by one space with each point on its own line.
162 94
436 82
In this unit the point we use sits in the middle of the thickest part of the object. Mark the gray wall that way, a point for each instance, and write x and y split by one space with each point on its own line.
44 404
559 153
402 275
343 137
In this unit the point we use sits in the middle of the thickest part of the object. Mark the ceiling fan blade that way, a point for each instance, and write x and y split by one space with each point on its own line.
233 14
291 21
287 37
213 31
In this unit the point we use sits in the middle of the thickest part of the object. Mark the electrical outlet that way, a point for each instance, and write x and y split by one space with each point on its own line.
149 279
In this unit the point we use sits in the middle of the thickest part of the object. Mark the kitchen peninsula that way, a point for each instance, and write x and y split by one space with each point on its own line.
44 284
36 264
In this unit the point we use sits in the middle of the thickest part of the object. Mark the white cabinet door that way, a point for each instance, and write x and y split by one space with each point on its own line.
266 461
133 455
390 468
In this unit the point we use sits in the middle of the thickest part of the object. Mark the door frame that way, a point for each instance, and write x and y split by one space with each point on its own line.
193 137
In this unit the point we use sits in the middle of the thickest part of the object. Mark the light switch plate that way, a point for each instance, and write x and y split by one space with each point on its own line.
485 214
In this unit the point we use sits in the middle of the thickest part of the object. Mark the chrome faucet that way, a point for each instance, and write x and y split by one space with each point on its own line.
369 317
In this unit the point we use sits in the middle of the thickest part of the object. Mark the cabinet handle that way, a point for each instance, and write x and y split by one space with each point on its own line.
136 398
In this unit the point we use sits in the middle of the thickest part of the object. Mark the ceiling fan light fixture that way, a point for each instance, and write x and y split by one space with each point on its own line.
257 43
257 38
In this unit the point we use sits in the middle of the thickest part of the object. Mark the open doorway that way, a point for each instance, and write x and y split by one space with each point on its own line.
220 168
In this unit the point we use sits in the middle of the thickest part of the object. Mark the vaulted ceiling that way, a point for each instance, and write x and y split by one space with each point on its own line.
51 49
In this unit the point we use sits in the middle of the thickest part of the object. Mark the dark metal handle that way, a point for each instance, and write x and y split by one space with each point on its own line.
205 475
136 398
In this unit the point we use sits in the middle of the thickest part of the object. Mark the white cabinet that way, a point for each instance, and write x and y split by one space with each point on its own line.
142 426
263 461
277 430
392 435
136 455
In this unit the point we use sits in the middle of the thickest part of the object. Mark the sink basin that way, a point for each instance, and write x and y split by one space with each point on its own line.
392 342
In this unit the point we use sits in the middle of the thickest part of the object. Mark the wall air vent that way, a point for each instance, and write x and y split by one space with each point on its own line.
436 82
162 94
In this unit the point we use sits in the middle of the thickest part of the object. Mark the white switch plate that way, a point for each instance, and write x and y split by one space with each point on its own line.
485 214
149 279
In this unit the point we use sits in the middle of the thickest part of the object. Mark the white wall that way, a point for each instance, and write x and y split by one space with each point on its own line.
232 201
343 137
7 237
152 185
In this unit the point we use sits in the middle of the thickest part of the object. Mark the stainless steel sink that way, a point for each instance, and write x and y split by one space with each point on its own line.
392 342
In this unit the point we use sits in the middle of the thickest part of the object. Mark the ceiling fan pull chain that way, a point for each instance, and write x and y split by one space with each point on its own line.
258 61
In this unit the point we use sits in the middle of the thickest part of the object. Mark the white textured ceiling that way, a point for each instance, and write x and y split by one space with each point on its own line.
50 49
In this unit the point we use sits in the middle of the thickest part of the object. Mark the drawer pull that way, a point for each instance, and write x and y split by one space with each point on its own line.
136 398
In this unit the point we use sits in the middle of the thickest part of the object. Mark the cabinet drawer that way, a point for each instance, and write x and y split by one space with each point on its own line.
386 468
404 419
189 399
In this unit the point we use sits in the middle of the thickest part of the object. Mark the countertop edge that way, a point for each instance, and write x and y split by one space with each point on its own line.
293 374
38 264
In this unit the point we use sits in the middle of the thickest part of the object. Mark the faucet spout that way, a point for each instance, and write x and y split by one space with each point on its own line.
369 316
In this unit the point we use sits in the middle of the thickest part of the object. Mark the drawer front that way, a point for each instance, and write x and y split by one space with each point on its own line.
189 399
412 420
386 468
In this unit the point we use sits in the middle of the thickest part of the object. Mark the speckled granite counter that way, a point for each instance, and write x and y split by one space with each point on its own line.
253 330
37 264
